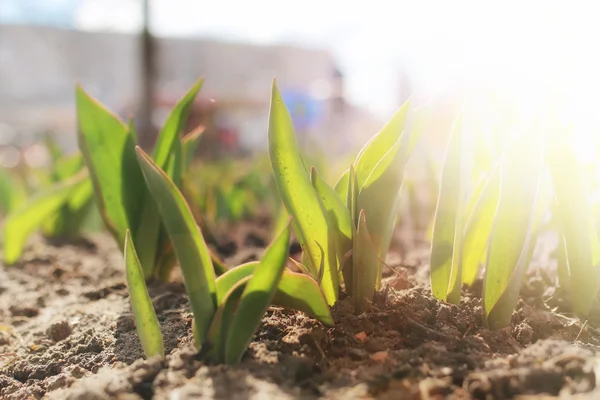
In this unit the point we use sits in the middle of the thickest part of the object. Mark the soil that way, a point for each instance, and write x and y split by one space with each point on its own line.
67 333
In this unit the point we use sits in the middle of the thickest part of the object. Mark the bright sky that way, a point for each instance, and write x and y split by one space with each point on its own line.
528 48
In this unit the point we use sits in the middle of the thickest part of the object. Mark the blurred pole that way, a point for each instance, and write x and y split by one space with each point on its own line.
147 75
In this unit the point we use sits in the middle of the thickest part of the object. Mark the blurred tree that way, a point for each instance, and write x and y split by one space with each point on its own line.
147 75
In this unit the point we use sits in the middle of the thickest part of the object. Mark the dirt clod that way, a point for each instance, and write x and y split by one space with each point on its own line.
59 331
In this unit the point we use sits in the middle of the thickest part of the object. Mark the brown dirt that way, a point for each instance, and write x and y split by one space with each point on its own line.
67 333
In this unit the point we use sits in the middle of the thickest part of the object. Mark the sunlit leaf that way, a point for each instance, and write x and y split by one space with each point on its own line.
575 219
108 151
338 215
380 144
365 266
169 134
446 246
479 225
299 196
295 291
146 322
256 298
189 145
190 248
511 240
380 195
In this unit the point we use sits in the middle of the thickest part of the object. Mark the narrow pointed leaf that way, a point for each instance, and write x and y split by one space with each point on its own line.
223 318
341 186
372 152
446 246
190 247
365 266
575 219
379 196
108 151
257 297
299 196
169 134
146 322
189 145
479 225
337 213
512 236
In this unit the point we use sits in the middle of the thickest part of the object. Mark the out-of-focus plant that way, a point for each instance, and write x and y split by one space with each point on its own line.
108 148
231 190
12 192
345 231
60 205
496 222
227 309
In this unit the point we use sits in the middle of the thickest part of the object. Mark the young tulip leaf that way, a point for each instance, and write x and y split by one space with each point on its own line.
512 236
380 196
299 196
189 145
146 322
190 247
256 298
295 291
108 151
341 186
446 246
221 324
575 219
372 152
337 213
365 266
479 225
23 220
169 134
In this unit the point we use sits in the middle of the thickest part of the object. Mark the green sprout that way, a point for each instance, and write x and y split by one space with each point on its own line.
498 226
226 309
345 232
61 206
108 148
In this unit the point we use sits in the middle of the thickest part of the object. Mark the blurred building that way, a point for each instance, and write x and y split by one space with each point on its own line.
39 67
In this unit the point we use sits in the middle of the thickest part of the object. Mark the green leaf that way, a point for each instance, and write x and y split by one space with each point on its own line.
143 311
512 236
365 265
223 318
108 151
66 167
338 215
341 186
347 266
192 252
175 123
11 192
380 196
256 298
189 145
21 222
299 196
380 144
295 291
575 218
446 246
479 226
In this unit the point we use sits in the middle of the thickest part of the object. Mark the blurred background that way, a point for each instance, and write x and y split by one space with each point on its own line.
343 67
